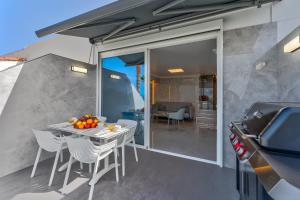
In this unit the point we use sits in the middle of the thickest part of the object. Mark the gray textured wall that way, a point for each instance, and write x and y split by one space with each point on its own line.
45 92
243 84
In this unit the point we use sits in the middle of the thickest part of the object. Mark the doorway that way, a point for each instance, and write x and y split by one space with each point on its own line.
184 99
117 48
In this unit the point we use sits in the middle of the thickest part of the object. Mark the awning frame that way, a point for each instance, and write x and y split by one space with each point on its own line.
90 19
164 10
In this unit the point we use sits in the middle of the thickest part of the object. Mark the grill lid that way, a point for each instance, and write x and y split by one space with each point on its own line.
261 114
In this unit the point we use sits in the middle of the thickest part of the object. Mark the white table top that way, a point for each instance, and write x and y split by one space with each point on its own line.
100 132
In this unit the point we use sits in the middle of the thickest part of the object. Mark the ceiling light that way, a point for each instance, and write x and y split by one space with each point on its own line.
114 76
292 45
176 70
79 69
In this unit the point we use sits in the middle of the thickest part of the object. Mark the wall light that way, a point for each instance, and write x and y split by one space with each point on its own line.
176 70
79 69
292 45
114 76
260 65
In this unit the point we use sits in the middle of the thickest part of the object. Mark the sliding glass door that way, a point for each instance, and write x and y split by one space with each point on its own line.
123 90
152 82
184 100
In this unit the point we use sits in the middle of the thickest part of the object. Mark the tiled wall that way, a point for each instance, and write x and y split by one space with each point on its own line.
243 84
278 80
45 92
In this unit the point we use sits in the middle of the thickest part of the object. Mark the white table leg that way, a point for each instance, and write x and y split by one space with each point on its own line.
96 178
106 160
65 165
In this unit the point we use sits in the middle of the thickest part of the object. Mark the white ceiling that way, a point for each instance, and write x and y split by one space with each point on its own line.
194 58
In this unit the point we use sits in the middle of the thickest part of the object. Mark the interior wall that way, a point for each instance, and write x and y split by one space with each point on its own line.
44 92
177 90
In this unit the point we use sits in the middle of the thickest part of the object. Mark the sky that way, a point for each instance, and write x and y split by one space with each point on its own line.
19 19
116 64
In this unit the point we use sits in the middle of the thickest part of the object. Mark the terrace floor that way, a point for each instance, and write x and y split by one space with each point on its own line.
156 176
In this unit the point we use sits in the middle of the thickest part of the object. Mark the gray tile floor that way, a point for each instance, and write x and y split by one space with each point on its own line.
187 139
155 177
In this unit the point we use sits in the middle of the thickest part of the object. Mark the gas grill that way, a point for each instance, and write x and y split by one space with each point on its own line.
268 132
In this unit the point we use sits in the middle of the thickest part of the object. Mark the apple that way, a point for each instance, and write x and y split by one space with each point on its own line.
87 126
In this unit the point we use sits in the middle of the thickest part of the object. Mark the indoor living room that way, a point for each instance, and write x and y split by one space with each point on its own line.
183 100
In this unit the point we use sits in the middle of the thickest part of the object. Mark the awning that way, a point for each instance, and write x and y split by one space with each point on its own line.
125 17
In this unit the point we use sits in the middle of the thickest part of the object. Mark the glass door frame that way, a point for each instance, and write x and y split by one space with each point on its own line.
103 55
128 46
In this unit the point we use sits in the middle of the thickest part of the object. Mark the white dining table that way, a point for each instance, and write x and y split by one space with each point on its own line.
101 132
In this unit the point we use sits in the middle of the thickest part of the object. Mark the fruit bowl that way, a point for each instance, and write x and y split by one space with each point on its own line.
86 122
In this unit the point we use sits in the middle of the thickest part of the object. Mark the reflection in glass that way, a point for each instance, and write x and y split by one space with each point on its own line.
123 90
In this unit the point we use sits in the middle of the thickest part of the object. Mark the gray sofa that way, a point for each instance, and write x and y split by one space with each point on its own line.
173 107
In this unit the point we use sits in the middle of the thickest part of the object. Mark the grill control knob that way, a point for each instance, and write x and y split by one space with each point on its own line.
235 141
242 152
236 144
232 137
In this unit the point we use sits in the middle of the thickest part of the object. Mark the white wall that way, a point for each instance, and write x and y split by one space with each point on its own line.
7 64
285 13
67 46
8 78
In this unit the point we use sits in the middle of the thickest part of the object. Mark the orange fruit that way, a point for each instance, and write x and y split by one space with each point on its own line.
89 121
78 123
94 125
80 126
111 127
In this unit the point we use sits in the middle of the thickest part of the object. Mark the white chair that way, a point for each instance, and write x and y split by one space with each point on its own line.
83 150
179 115
51 143
102 118
127 138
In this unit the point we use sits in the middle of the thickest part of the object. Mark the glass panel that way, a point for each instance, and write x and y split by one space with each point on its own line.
183 88
123 90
